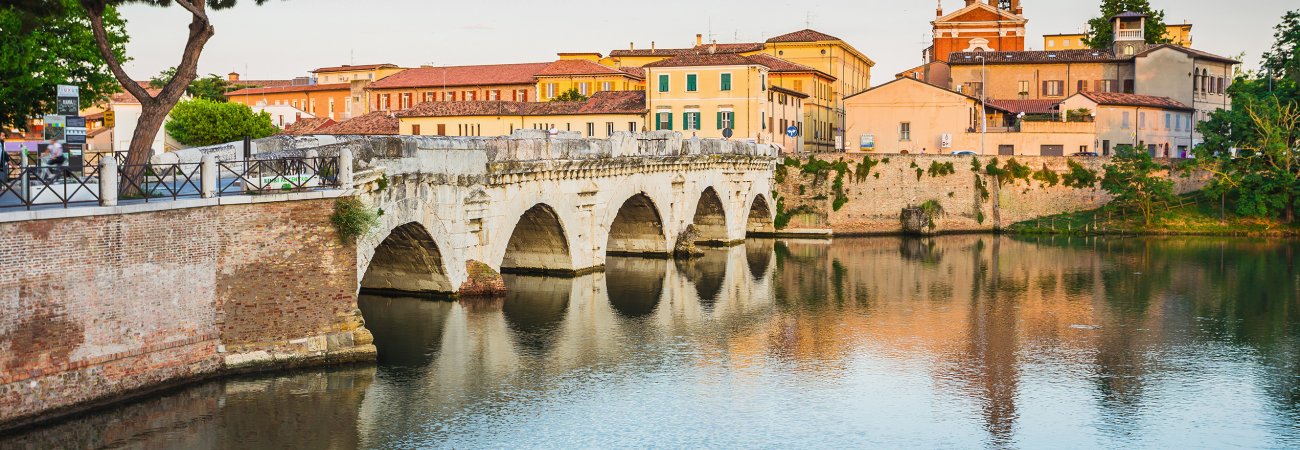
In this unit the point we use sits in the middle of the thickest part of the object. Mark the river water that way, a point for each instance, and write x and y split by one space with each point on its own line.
952 342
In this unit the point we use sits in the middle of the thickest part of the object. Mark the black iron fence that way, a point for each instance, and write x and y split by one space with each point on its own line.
42 185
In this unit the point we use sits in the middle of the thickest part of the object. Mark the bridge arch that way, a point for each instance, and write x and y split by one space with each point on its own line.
407 261
761 218
637 228
710 218
538 244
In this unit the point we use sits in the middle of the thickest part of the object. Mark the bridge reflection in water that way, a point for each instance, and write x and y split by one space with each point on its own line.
994 341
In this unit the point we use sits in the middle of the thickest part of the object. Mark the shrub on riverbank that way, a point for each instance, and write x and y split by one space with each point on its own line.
1191 214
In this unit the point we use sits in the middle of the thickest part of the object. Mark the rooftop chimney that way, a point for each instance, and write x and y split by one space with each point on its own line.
699 40
232 76
631 46
652 46
938 9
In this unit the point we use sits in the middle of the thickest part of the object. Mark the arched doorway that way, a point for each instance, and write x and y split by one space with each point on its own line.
537 245
710 218
760 218
407 262
637 229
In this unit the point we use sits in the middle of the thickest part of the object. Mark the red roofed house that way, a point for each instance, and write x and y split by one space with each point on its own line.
1160 125
496 82
331 101
911 116
600 116
1192 78
576 71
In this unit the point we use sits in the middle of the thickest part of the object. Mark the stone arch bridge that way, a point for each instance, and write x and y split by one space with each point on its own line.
557 205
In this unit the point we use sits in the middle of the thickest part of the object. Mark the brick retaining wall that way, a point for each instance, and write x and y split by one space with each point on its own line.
95 308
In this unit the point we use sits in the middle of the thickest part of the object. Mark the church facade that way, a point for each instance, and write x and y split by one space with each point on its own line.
995 26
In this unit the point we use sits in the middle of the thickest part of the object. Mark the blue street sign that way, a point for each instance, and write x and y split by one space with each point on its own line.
793 131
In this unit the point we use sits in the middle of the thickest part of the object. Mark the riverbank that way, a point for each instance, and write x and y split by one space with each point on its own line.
1194 215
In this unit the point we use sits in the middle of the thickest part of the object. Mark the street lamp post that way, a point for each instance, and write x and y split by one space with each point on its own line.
984 111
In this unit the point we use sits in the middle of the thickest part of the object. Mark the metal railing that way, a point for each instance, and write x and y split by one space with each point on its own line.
277 175
36 185
159 181
39 185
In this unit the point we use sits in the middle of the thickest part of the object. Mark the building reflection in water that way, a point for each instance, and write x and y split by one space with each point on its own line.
1005 342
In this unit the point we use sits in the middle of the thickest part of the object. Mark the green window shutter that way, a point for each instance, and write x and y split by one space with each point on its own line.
719 120
670 120
658 120
691 83
726 82
663 83
686 121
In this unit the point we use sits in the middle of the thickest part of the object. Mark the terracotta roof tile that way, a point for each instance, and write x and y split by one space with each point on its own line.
804 36
651 52
485 75
577 67
127 99
1118 99
611 102
782 66
1032 57
284 89
260 83
308 126
638 72
706 59
735 47
1192 52
378 122
348 68
1026 106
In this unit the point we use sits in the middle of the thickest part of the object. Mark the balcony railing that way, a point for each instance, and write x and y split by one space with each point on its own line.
1129 34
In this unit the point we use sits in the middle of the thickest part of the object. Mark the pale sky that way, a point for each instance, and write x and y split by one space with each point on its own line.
288 38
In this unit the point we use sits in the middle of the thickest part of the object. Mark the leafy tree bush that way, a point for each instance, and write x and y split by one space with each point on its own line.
353 219
39 53
201 122
1133 179
1079 177
1102 28
1252 148
212 87
571 95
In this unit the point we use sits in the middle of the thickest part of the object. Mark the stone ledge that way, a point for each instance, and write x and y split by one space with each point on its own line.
92 211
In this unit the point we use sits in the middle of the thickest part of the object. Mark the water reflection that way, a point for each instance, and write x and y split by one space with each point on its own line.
994 341
635 285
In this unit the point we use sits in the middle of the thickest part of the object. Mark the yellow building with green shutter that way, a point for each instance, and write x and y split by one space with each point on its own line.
700 95
846 72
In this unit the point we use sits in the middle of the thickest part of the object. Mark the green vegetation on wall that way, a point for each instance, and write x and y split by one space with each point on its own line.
353 219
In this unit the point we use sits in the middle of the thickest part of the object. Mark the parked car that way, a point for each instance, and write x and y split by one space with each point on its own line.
964 153
1086 154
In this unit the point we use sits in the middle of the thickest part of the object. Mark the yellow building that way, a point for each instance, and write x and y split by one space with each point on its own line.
1072 41
348 73
585 75
849 69
1180 35
819 116
702 95
602 115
